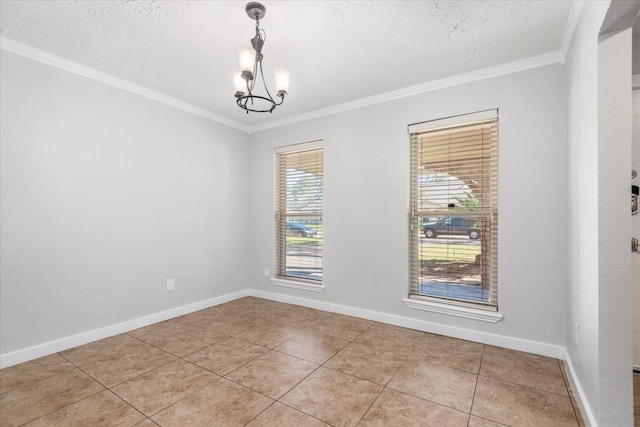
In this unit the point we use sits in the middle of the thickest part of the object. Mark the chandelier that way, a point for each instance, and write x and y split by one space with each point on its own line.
251 64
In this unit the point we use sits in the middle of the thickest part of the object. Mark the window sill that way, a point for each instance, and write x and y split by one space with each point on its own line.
297 285
454 310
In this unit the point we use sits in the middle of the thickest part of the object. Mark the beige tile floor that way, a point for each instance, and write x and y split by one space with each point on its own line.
262 363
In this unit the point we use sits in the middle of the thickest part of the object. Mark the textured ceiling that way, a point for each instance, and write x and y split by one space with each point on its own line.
337 51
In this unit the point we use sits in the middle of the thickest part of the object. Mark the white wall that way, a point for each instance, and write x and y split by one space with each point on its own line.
598 75
635 220
614 228
105 196
582 131
366 199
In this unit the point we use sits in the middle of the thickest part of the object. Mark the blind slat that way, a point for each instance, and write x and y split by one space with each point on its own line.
454 164
299 207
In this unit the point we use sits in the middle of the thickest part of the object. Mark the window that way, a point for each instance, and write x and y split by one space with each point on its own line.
454 211
299 198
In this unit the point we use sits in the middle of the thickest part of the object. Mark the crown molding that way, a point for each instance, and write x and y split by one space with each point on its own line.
473 76
570 27
22 49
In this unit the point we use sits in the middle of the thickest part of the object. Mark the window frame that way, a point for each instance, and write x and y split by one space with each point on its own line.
280 278
457 307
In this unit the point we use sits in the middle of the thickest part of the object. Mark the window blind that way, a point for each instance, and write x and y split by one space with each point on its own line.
454 210
299 207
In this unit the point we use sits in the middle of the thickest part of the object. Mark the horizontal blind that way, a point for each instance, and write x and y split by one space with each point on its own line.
299 207
454 178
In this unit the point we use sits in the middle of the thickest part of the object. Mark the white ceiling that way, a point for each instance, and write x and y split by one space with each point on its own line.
337 51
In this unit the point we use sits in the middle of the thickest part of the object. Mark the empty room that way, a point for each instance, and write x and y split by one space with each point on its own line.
385 213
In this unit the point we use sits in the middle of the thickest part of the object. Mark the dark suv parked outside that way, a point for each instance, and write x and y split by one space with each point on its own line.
452 226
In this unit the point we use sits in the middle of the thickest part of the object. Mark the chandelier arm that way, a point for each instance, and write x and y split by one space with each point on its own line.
242 104
251 85
264 83
281 96
249 88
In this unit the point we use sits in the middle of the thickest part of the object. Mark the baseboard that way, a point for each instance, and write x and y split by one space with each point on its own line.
51 347
636 369
578 392
421 325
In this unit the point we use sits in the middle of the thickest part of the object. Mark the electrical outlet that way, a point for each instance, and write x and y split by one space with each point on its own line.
576 337
171 285
267 273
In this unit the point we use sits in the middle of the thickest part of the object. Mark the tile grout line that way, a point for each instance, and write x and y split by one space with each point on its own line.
322 365
227 373
424 398
371 405
66 406
84 372
576 410
261 412
476 386
155 369
312 416
128 404
137 376
526 386
269 397
181 399
384 387
487 419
